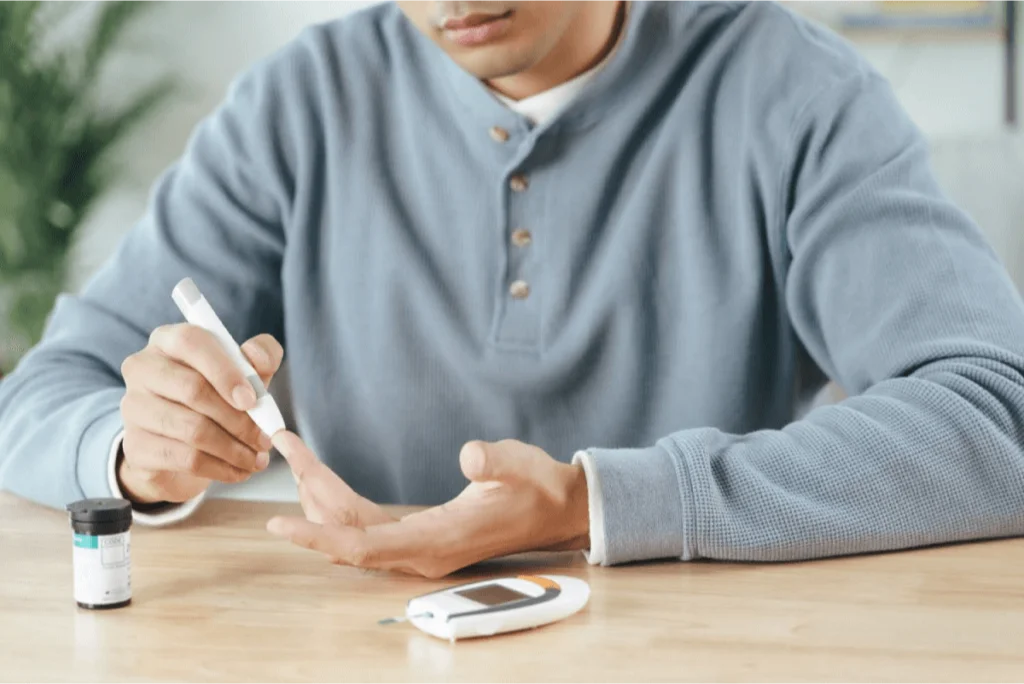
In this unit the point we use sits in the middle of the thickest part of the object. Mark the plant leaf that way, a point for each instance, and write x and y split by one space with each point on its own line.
55 148
114 19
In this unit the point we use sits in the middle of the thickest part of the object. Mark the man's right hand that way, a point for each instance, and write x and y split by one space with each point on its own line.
184 415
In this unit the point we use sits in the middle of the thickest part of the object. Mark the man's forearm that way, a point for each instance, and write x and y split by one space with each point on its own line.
58 416
931 458
636 499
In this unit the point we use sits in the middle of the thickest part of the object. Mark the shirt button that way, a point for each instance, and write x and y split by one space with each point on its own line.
498 134
521 237
518 182
520 289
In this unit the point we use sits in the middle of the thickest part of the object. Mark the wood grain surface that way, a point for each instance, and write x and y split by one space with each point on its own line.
217 598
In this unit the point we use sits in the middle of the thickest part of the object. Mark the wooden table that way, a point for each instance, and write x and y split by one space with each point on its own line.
219 599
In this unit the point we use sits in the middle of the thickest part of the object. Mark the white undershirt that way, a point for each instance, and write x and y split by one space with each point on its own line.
547 105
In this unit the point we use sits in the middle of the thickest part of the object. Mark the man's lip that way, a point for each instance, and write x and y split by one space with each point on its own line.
471 20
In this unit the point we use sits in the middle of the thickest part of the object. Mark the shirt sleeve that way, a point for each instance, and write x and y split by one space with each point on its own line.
219 216
895 295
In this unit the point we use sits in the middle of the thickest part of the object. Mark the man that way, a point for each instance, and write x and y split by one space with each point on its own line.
634 239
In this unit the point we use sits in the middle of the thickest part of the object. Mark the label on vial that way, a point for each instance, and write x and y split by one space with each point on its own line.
103 568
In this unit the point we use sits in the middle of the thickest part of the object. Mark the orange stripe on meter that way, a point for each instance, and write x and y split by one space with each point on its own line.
542 581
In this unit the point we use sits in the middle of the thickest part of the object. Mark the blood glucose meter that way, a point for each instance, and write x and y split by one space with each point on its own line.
495 606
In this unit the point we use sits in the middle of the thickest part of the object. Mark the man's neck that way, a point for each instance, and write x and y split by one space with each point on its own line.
590 38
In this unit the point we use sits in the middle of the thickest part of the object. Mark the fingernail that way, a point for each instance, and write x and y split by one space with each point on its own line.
265 443
262 460
244 397
274 526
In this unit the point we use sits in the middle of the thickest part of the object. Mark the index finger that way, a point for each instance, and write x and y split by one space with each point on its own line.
300 457
199 349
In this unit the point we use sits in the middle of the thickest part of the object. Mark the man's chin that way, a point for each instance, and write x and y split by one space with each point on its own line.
489 63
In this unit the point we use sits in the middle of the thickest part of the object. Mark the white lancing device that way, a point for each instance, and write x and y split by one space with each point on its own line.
197 311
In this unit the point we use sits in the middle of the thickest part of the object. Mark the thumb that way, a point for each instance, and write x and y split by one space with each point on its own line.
504 461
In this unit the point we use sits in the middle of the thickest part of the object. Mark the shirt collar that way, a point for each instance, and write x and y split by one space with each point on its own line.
545 106
643 32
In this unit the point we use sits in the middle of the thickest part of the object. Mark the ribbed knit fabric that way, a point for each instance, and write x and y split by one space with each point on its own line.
734 209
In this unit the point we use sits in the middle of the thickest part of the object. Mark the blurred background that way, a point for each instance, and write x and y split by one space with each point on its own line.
97 99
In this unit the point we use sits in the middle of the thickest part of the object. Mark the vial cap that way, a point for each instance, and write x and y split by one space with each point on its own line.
100 510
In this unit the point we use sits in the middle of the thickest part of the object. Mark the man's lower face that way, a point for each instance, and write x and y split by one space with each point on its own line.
490 39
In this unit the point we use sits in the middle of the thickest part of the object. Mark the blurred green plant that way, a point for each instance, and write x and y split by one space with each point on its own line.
56 140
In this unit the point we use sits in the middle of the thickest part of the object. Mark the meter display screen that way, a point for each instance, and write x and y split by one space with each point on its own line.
492 594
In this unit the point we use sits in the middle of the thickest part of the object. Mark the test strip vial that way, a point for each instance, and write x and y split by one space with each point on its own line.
101 535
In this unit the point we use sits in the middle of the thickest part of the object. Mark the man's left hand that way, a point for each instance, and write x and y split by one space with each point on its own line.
518 499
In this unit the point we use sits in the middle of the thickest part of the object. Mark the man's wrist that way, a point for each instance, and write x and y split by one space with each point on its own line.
578 510
139 503
151 515
595 549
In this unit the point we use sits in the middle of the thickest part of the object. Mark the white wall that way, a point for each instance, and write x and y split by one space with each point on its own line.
952 89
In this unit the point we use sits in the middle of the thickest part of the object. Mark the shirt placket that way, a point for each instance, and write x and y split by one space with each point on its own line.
517 317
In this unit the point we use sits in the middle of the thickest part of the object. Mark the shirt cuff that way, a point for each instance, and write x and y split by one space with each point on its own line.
596 554
640 505
173 513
